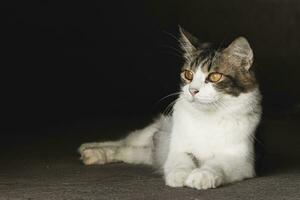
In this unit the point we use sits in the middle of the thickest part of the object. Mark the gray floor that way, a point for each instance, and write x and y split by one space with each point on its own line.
67 178
47 167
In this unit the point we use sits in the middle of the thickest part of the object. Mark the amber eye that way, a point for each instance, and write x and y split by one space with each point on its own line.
188 75
214 77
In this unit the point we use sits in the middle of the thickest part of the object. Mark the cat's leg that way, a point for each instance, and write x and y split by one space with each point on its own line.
109 154
98 152
135 148
177 168
220 170
93 145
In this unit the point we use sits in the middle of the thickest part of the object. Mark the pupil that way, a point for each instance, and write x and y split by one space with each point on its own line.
188 75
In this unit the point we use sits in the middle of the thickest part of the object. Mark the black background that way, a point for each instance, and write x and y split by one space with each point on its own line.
69 62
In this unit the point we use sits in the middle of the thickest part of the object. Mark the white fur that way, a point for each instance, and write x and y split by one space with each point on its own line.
215 129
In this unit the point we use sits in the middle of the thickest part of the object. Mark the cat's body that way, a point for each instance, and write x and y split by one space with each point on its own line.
208 140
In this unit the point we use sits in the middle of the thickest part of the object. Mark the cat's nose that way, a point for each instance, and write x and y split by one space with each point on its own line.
193 91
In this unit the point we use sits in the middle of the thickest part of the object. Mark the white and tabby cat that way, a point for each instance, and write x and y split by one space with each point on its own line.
208 139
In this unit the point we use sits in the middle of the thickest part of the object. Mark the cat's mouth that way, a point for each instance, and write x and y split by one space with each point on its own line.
203 100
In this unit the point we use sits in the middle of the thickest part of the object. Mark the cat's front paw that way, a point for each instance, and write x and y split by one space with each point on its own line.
93 156
85 146
176 177
202 179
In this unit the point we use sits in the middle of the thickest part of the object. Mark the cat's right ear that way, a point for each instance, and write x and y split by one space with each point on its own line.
188 42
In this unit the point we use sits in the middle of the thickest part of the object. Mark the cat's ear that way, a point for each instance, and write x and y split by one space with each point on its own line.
241 53
188 42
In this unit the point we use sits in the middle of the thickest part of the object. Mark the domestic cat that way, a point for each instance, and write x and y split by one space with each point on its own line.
208 140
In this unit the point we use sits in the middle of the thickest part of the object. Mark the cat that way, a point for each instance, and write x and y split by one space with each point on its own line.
208 140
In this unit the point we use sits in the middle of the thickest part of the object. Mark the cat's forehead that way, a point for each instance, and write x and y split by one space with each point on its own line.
213 62
220 63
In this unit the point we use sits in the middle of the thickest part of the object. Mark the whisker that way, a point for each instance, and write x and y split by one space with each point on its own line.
182 52
169 108
169 95
171 35
215 105
173 48
253 138
222 105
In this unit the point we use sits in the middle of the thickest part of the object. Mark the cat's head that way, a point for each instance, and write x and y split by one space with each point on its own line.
212 74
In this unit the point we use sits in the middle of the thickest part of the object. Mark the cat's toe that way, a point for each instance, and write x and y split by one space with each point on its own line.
203 179
176 178
93 156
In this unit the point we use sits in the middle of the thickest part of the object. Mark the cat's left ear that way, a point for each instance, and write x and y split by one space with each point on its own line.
188 42
241 53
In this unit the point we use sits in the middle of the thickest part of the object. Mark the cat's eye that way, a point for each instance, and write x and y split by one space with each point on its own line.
214 77
188 75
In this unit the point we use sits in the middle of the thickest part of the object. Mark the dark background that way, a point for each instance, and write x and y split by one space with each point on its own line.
70 67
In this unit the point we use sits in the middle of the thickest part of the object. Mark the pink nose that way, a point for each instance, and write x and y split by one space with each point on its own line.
193 91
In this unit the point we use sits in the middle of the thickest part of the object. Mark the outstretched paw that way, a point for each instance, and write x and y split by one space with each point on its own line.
93 156
85 146
202 179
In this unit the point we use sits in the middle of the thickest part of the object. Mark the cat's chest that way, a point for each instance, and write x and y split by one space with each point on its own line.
205 134
206 129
